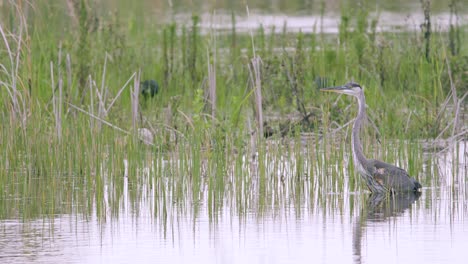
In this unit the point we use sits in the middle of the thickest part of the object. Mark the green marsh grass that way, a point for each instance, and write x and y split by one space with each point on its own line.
58 160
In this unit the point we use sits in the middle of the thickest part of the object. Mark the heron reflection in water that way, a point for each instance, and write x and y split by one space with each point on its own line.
380 177
378 208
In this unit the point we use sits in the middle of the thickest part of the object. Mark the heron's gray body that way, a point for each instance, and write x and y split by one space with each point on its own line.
390 177
379 176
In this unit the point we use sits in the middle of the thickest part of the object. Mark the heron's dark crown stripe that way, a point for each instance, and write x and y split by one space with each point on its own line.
353 84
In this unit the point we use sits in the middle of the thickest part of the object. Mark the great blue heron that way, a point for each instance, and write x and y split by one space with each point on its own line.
379 176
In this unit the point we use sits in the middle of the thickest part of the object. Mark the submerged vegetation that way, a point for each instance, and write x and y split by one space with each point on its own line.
71 109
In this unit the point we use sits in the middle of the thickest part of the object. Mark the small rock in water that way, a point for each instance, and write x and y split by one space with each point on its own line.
146 136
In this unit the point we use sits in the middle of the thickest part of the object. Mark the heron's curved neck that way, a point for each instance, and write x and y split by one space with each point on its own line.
358 155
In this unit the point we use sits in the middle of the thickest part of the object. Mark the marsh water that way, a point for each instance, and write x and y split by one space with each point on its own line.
292 218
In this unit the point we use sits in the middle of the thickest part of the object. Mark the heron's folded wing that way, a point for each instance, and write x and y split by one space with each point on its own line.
391 176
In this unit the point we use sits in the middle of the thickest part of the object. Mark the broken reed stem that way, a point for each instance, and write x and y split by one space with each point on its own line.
97 118
134 99
254 70
120 92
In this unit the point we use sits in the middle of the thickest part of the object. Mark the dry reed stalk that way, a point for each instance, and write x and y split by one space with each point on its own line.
212 86
101 106
91 105
12 73
102 112
58 113
56 102
187 118
253 141
100 120
255 77
69 77
454 97
134 99
102 109
72 11
456 105
52 86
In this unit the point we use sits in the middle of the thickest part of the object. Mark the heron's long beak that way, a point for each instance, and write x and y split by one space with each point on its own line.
336 89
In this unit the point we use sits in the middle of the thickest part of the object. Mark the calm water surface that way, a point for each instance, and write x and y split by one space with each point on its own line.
328 227
314 23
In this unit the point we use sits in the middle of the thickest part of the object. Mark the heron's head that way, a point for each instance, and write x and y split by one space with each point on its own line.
350 88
